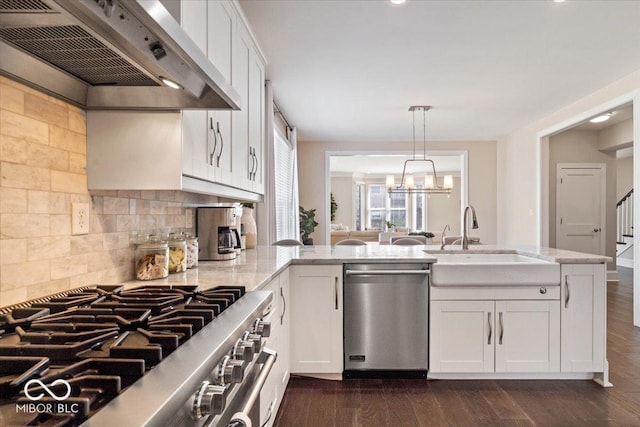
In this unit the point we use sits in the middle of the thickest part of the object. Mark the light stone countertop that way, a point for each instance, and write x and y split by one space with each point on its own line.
254 268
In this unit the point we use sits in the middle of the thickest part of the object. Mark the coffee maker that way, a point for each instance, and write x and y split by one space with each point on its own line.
217 230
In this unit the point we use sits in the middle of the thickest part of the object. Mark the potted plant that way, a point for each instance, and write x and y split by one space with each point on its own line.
308 225
429 235
334 208
390 226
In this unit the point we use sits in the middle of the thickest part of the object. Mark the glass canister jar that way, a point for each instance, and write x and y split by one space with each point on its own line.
177 253
192 250
152 260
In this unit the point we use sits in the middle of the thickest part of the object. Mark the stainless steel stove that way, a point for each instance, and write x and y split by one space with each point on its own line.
148 356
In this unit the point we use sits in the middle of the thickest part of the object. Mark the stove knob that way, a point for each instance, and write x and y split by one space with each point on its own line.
208 400
229 371
233 372
255 339
243 350
262 328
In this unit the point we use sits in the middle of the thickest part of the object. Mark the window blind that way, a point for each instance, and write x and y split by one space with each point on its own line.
286 212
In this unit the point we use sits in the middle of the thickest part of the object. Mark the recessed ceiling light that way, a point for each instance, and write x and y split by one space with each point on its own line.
558 1
601 118
170 83
397 2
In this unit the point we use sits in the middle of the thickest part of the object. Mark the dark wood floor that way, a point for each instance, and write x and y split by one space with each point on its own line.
310 402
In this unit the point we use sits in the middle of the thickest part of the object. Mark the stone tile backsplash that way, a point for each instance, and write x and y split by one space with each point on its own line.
42 172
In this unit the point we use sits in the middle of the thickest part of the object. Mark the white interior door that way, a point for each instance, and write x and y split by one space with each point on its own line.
580 210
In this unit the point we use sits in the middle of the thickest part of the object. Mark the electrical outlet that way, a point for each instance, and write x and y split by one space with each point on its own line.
188 218
79 218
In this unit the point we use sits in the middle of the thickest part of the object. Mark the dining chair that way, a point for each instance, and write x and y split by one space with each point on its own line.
406 241
288 242
351 242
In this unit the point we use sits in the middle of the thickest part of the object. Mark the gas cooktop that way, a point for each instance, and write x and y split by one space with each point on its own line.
63 358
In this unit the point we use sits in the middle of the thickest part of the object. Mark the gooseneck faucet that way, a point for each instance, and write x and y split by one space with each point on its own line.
465 238
442 244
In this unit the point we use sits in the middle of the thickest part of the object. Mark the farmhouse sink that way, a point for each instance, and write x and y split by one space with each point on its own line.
492 269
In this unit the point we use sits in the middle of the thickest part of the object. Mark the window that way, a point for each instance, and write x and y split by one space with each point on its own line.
402 210
359 206
398 209
286 211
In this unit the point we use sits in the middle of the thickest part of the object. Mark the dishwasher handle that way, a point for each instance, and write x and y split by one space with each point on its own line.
387 272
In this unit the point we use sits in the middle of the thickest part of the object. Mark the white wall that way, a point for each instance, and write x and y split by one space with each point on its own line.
578 146
342 189
518 172
616 136
518 167
443 210
312 169
624 176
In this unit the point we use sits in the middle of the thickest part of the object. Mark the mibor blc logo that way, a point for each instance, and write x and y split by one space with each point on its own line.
47 389
58 407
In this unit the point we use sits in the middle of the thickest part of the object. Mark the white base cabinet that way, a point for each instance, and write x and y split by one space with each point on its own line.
284 343
494 336
527 336
316 319
462 336
273 390
583 313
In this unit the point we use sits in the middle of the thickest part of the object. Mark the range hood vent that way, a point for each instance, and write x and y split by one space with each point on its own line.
108 54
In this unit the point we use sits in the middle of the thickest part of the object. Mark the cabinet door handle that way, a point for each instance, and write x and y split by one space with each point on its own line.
215 141
501 327
221 145
566 286
490 327
284 306
252 163
335 286
255 171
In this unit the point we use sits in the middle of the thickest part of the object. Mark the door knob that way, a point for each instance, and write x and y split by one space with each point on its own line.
595 230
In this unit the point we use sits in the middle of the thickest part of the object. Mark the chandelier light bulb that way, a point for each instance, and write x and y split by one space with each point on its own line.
408 182
448 182
390 182
428 182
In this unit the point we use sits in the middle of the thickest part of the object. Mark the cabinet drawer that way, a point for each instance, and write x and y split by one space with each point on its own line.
495 293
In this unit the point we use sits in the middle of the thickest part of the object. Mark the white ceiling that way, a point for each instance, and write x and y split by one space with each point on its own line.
618 115
346 70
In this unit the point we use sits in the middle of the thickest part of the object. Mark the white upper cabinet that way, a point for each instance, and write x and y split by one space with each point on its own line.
242 162
249 124
221 29
193 17
217 152
256 121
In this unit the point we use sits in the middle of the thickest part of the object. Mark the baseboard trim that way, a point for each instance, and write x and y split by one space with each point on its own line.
612 275
513 376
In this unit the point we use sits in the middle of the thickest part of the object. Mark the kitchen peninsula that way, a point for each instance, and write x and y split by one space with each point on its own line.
520 331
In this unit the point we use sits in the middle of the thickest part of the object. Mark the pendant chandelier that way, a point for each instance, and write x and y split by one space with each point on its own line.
431 183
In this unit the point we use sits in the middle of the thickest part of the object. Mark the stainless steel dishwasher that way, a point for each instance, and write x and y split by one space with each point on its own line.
386 320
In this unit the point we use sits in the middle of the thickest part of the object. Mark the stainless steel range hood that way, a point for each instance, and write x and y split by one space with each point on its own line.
108 54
